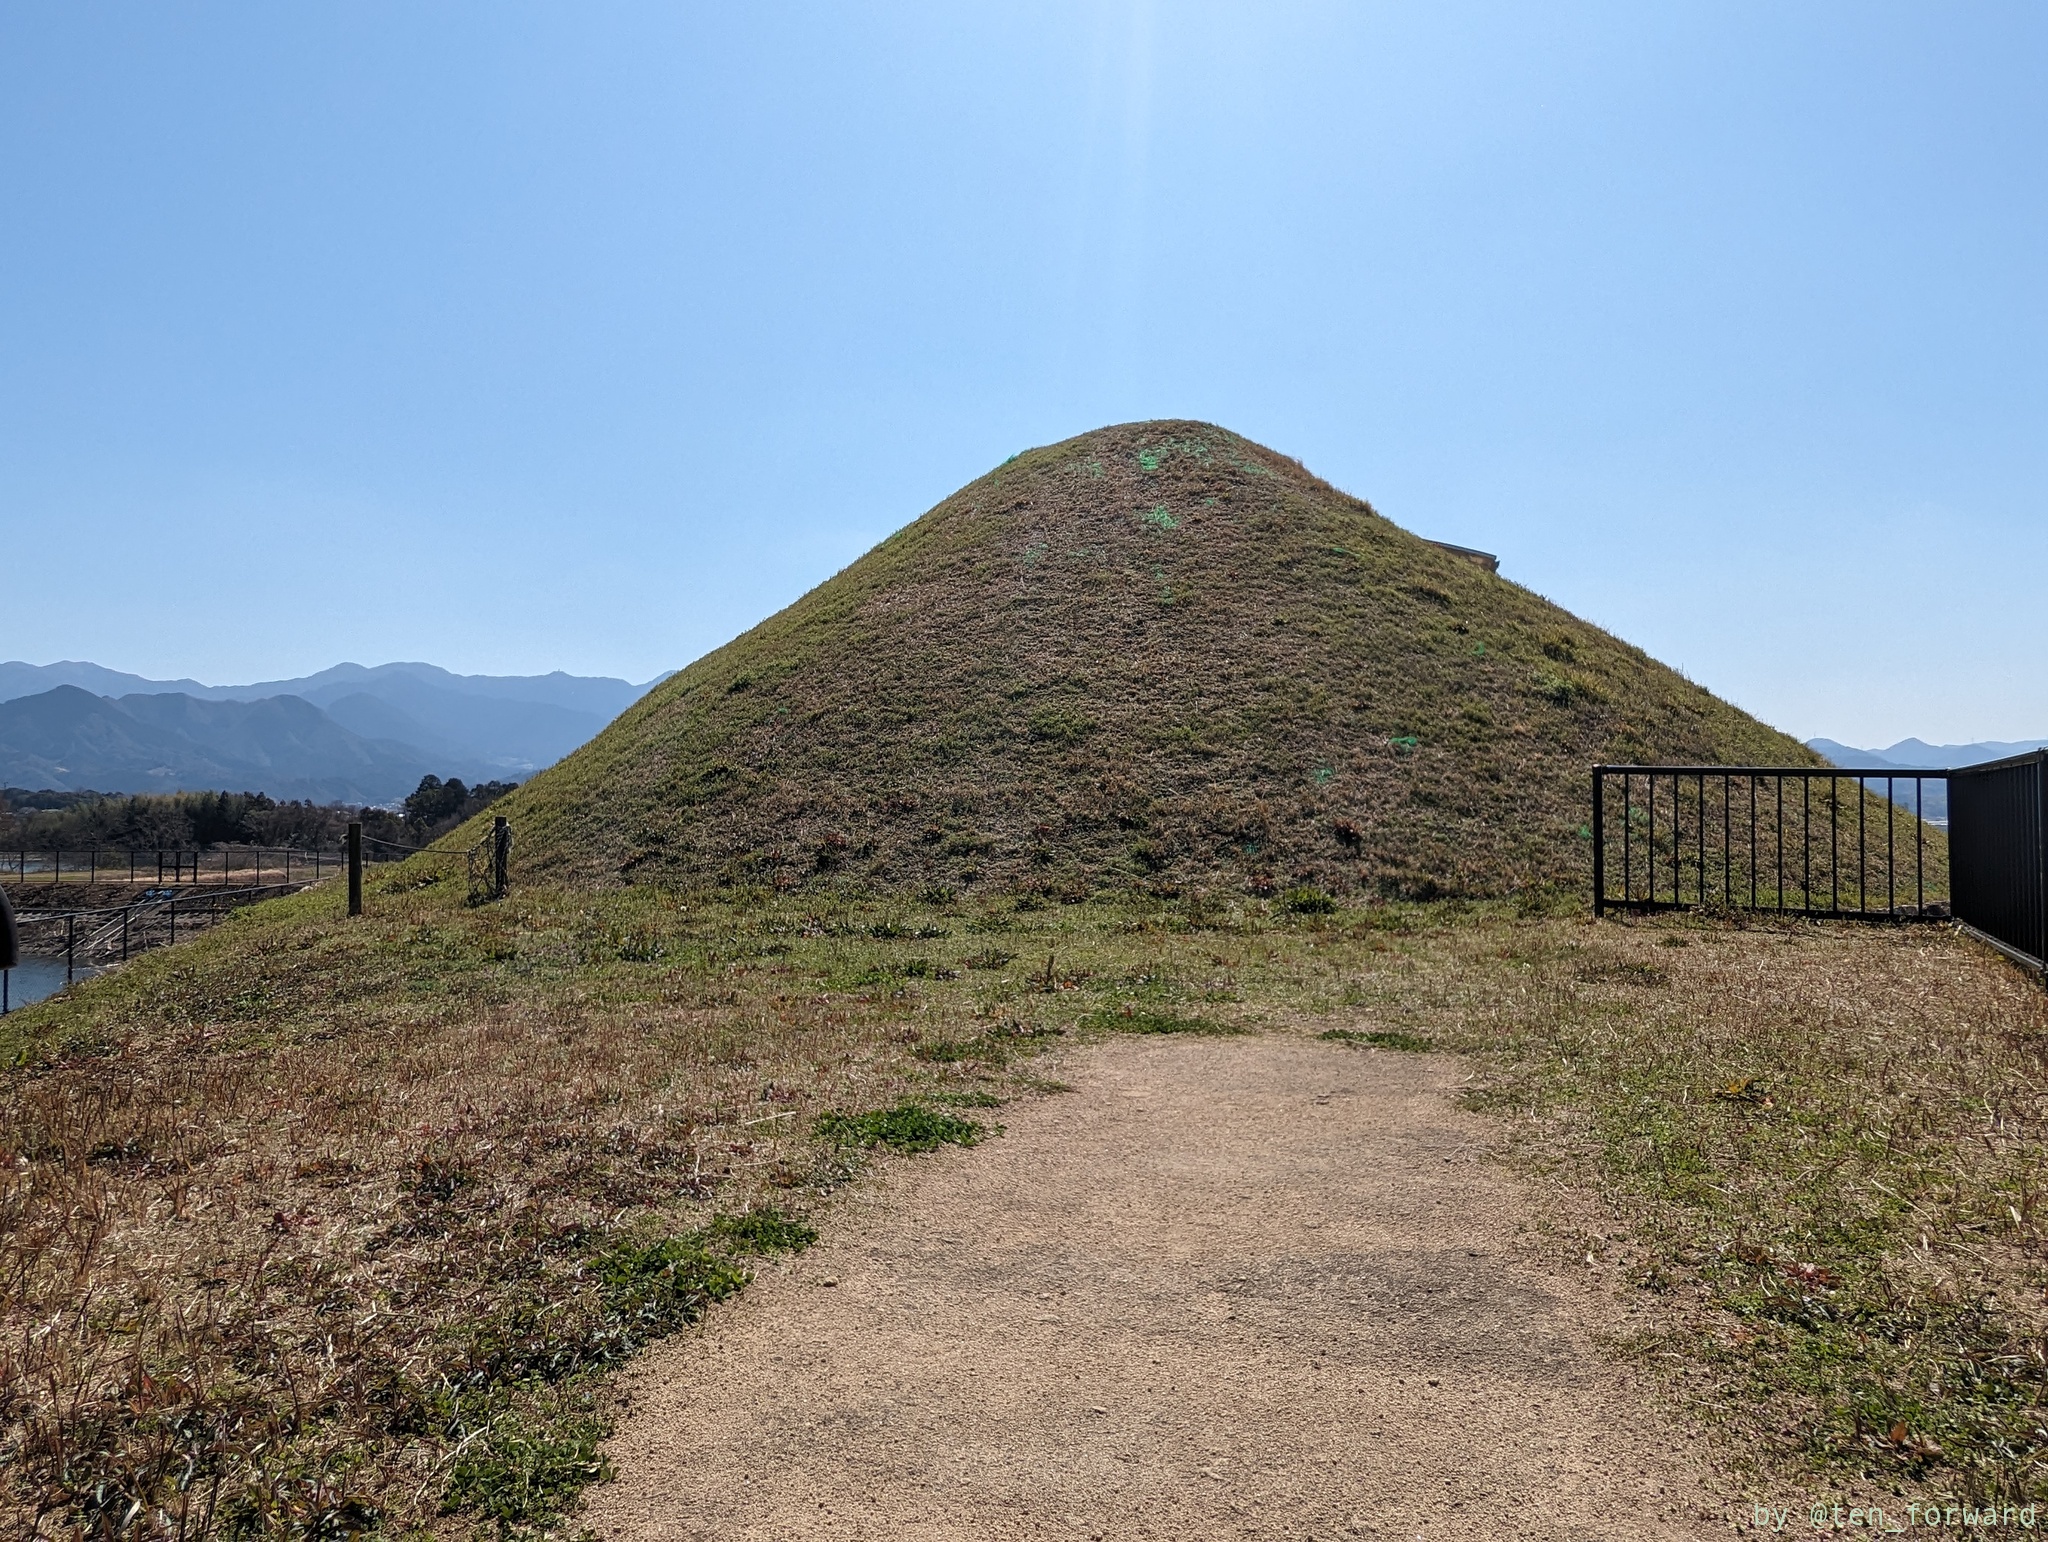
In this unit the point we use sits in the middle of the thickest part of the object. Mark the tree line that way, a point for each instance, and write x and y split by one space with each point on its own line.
43 821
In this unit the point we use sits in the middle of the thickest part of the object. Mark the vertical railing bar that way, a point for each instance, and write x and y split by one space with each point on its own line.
1834 845
1599 843
1891 887
1628 830
1806 844
1703 840
1862 876
1920 846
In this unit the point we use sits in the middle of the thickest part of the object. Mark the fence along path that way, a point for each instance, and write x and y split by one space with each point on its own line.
172 864
486 863
110 933
1832 843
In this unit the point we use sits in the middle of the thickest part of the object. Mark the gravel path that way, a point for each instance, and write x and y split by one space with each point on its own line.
1258 1287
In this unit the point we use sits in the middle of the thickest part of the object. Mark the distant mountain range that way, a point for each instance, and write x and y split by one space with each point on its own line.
347 734
1918 755
1910 755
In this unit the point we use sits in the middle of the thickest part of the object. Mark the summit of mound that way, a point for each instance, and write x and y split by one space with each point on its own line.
1157 654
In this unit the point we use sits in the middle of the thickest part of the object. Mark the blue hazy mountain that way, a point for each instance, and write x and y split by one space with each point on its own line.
1910 755
1918 755
473 726
68 739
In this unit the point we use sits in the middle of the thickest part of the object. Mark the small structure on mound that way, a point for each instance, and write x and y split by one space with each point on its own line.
1472 554
1159 656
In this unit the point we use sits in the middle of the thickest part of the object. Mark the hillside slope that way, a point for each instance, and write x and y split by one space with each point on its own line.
1154 654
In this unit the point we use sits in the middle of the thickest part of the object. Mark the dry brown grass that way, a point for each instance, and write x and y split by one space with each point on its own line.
310 1223
313 1209
1825 1147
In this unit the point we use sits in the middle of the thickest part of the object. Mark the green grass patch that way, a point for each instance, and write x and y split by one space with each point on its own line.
527 1470
1305 900
909 1126
1132 1018
763 1231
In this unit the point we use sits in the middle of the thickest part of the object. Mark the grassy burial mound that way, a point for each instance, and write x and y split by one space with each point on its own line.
1156 654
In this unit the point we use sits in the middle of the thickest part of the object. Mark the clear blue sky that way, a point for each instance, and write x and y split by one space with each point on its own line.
518 338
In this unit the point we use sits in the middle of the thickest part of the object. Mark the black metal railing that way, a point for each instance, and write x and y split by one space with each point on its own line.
1791 840
1998 837
110 934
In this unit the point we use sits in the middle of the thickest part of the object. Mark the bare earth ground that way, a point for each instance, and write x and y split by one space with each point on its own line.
1256 1287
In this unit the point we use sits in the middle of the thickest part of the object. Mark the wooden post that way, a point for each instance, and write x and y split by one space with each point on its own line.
355 869
501 855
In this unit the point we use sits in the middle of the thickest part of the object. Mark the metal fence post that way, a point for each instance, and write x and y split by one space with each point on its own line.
355 869
1599 843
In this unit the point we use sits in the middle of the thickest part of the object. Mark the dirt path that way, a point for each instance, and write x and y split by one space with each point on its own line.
1260 1287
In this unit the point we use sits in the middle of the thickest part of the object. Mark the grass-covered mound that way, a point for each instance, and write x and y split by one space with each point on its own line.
1155 654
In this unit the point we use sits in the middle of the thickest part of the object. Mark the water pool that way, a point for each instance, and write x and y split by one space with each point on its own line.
34 978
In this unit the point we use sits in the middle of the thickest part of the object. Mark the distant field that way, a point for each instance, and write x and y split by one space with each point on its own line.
310 1222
